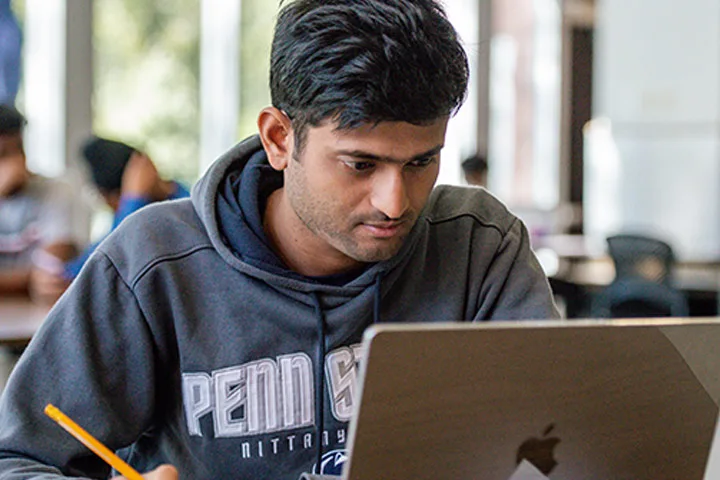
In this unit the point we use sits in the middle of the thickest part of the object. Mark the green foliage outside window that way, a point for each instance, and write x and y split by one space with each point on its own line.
147 71
258 20
146 79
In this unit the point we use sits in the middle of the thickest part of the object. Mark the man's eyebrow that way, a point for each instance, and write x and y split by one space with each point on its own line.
376 158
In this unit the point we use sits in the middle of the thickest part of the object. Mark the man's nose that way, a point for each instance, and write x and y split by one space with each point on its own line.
390 194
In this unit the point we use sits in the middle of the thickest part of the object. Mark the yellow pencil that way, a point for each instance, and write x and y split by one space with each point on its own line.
92 443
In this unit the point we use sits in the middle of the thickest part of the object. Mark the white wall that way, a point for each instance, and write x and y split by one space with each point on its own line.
461 140
57 76
657 81
219 78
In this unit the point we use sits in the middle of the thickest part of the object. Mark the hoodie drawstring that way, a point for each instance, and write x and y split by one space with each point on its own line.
320 376
320 364
378 297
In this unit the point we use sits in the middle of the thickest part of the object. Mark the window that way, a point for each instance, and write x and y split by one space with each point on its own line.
146 77
525 101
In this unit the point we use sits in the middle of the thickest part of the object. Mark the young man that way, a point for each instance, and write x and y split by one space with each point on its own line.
220 335
127 180
36 219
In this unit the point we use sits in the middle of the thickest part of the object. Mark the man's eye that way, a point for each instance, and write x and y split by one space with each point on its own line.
422 162
360 166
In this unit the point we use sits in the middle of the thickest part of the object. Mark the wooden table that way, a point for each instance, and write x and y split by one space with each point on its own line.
19 320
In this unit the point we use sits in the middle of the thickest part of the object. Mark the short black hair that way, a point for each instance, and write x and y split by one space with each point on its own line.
366 61
107 160
11 120
475 163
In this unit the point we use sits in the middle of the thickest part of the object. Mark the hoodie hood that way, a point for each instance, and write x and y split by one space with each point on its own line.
230 199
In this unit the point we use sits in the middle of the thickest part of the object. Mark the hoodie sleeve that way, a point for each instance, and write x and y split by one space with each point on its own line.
516 287
94 359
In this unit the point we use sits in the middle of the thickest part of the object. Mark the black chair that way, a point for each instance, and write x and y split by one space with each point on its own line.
643 281
641 257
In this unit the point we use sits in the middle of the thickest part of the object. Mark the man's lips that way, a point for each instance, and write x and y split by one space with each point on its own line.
383 229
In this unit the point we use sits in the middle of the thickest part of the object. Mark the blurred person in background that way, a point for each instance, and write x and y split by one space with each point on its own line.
36 220
127 180
475 169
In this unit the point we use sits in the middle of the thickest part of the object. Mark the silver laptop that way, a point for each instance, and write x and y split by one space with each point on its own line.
564 400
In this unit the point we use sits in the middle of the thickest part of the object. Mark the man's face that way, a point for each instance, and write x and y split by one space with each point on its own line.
359 192
13 173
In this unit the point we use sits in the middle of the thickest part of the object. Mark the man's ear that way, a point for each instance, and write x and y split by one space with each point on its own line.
277 136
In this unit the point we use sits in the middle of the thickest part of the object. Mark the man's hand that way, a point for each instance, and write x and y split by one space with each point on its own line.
163 472
46 287
47 276
140 178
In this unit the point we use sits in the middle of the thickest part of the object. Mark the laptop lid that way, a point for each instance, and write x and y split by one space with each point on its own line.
634 399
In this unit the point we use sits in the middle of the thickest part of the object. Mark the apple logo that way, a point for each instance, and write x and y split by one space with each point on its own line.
540 451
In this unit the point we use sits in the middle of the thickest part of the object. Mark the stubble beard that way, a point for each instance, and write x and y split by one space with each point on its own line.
316 215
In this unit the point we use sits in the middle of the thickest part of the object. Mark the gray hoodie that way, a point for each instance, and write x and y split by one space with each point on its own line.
174 347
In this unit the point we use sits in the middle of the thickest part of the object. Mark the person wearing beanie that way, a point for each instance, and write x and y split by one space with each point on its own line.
37 232
106 160
127 180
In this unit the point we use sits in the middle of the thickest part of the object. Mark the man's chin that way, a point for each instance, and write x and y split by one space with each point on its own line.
377 253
